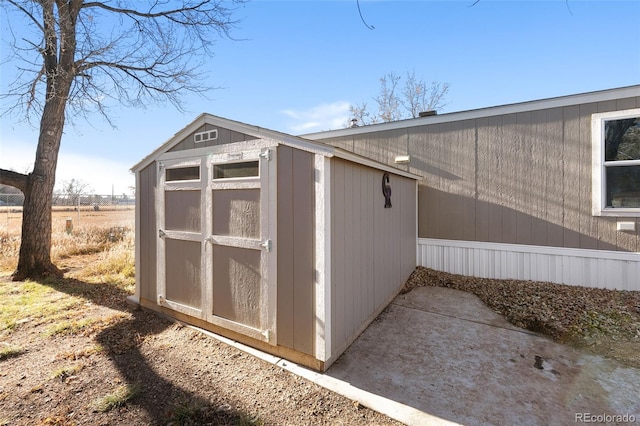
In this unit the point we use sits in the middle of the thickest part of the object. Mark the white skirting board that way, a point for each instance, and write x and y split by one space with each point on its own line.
589 268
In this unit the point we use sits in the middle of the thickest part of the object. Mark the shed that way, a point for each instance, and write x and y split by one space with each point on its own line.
288 245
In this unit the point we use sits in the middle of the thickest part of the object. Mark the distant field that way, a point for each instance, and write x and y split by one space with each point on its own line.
11 220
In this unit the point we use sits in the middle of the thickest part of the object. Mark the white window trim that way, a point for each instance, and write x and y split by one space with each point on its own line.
599 203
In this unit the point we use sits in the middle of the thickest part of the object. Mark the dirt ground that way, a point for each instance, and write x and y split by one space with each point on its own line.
50 375
180 376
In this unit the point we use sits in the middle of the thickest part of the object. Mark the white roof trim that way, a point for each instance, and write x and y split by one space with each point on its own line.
258 132
583 98
270 137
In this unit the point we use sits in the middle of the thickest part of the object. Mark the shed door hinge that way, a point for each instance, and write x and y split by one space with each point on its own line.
267 245
266 154
161 233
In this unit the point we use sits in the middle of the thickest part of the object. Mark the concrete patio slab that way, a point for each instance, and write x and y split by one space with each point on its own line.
443 352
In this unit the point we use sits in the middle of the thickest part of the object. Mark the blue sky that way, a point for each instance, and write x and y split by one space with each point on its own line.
295 67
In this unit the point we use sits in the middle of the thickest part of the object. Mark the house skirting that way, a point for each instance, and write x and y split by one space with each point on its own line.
589 268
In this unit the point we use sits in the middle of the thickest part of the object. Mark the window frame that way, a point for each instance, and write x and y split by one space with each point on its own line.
599 165
235 178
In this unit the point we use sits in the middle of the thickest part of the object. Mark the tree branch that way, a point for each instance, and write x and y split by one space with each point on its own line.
15 179
28 14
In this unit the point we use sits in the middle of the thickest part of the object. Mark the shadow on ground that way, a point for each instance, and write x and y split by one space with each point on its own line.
162 400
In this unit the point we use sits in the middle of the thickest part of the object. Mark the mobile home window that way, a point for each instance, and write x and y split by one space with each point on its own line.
616 163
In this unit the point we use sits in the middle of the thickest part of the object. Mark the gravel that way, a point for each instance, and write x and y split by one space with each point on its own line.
605 321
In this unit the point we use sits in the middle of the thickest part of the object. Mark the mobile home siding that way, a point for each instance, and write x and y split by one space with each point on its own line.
147 233
520 178
296 215
373 248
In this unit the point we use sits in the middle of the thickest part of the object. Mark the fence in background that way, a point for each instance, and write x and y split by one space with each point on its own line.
83 202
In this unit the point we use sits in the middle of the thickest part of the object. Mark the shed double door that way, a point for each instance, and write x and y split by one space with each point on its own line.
217 254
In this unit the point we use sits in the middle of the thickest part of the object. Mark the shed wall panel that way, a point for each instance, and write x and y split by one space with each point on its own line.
373 247
147 234
285 247
303 253
295 242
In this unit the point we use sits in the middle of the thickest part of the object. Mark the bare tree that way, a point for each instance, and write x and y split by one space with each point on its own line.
418 97
415 97
387 99
72 190
360 114
78 57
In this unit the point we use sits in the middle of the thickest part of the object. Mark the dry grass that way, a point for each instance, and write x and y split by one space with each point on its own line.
35 303
92 233
114 265
58 303
118 398
8 351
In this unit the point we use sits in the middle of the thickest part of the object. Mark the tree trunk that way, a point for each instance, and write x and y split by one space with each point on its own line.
35 248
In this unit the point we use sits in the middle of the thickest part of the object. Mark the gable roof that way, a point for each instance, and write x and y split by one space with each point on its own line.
263 133
582 98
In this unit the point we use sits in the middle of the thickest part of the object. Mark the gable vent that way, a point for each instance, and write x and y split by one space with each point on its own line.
209 135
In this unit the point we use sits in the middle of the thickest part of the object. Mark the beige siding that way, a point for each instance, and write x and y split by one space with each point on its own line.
225 136
372 247
383 150
520 178
571 195
147 234
236 285
182 211
183 272
296 213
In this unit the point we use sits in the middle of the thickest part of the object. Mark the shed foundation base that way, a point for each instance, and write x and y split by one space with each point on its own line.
278 351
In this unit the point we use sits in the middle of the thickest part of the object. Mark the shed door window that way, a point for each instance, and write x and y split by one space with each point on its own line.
616 139
236 170
183 173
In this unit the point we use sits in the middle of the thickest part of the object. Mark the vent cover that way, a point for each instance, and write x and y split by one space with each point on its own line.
209 135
